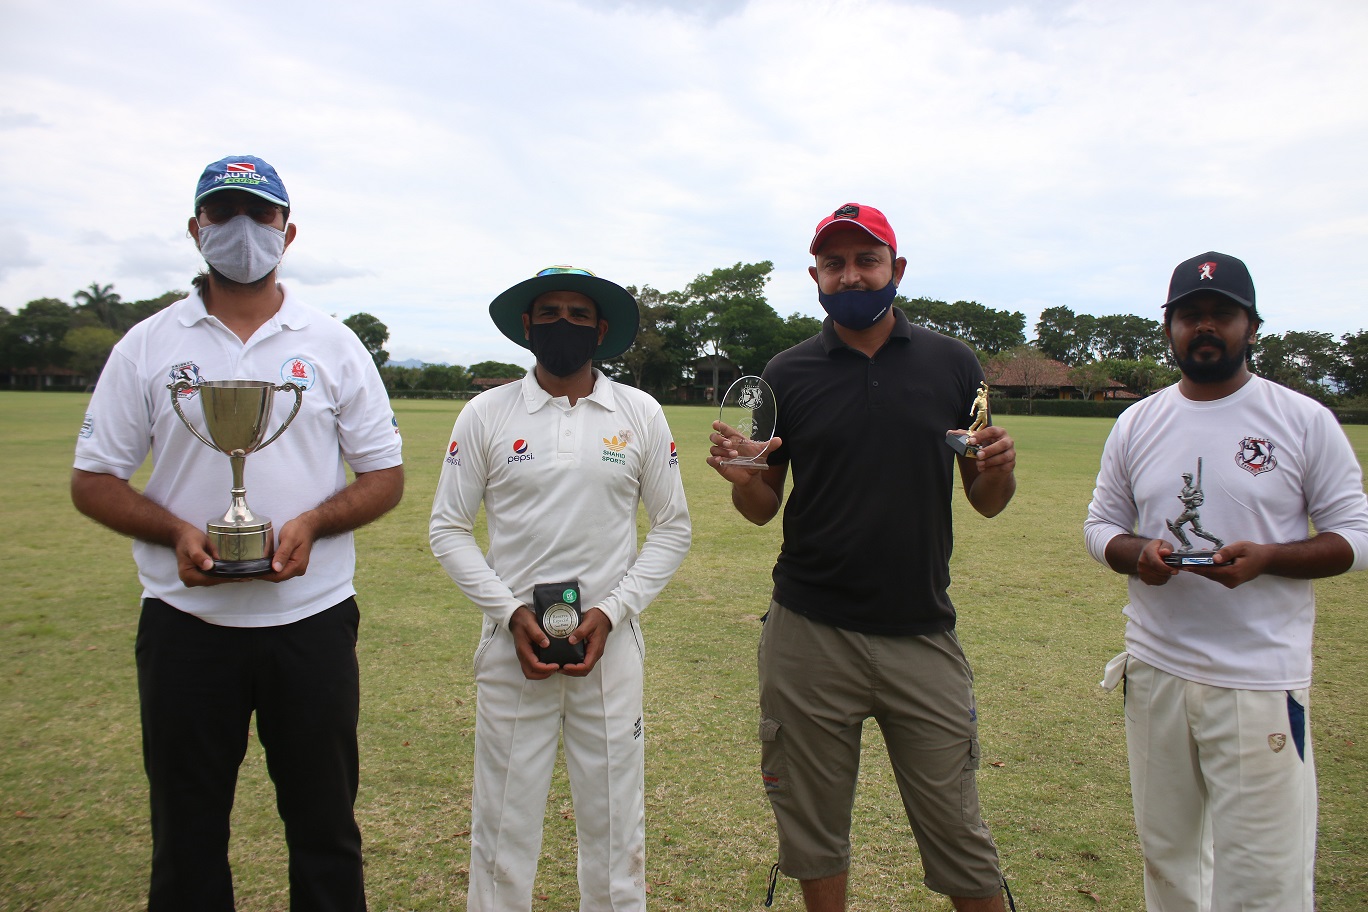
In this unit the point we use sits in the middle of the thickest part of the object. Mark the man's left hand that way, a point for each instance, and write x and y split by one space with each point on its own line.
593 632
291 557
1236 563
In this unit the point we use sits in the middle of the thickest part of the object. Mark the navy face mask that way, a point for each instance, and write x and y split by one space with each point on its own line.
859 309
562 347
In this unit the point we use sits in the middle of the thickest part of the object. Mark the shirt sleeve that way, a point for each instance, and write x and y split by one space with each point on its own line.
670 532
451 531
366 425
1335 500
117 432
1112 511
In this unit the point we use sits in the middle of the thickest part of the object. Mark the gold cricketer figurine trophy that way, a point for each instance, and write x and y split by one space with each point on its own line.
982 419
236 414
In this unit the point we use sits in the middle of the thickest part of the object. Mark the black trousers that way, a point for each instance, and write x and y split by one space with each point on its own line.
198 685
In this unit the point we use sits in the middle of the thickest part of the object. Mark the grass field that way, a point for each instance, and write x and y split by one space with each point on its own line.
1037 616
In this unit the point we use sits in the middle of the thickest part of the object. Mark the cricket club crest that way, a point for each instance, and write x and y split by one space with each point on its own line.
188 371
1255 455
1277 742
751 397
299 372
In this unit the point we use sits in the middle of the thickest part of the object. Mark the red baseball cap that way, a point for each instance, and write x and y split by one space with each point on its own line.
867 217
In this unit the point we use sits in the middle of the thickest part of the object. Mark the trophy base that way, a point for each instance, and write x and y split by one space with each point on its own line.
240 569
1191 559
960 444
749 462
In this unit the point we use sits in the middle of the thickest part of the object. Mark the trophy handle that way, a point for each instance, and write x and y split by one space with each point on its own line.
176 389
299 400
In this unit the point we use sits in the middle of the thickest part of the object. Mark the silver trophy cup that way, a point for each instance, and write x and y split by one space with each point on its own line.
236 414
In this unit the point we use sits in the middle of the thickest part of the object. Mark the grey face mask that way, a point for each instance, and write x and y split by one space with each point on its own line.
242 248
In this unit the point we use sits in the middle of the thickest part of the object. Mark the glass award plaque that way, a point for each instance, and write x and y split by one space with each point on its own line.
749 412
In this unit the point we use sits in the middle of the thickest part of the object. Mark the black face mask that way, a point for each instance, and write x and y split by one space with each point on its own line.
562 347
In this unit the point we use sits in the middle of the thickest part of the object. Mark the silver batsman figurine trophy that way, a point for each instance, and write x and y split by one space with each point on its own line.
236 414
1191 497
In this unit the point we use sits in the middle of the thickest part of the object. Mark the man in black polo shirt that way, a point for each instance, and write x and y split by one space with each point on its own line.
861 624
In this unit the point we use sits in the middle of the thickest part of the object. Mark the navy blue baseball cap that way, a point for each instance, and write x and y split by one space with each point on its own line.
242 172
615 304
1211 271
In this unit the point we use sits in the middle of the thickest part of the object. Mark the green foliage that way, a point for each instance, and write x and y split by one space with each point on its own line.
1129 338
729 316
496 370
49 333
89 347
1303 361
662 351
33 337
1352 372
987 331
102 301
1090 378
1063 408
430 378
1141 377
372 333
1065 336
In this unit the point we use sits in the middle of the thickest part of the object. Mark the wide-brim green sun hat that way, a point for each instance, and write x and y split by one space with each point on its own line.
615 304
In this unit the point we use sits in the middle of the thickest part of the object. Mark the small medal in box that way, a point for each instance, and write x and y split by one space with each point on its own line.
557 608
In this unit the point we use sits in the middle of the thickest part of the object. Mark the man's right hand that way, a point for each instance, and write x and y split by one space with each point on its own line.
194 556
1151 567
527 638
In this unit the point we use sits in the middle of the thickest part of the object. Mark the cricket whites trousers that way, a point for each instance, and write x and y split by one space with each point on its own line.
517 725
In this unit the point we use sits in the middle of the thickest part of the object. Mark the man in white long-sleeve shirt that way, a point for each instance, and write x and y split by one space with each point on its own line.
1218 648
561 460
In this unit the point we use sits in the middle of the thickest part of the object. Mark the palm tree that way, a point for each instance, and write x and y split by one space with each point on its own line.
103 300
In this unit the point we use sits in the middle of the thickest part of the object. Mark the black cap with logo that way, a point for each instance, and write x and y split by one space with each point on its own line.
1217 272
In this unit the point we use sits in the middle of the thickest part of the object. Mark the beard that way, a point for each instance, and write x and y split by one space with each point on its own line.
1217 371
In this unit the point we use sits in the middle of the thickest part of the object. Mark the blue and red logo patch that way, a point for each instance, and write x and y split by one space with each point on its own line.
521 452
299 372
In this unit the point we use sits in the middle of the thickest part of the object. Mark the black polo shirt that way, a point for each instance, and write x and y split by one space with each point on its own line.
867 523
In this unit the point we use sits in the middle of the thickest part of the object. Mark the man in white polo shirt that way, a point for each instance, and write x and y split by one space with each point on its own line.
560 460
281 644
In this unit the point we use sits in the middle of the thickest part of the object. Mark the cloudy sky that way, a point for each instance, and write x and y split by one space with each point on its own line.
1029 154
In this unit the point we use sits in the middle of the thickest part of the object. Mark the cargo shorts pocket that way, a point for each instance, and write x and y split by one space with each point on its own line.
969 797
772 761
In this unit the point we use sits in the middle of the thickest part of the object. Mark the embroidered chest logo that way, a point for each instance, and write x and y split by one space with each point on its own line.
299 372
1255 455
522 452
614 448
188 371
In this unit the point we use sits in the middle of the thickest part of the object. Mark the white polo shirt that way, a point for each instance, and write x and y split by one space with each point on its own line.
560 484
345 420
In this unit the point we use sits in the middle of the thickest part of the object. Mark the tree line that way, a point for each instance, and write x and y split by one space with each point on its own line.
725 315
